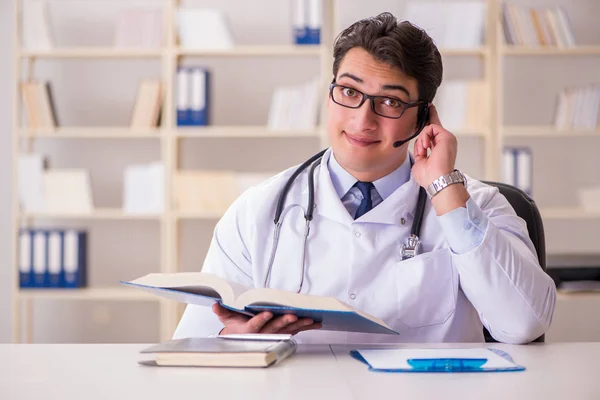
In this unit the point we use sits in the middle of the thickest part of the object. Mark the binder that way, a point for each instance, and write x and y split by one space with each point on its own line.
517 168
315 21
299 21
55 258
183 105
40 258
25 258
75 259
199 96
437 360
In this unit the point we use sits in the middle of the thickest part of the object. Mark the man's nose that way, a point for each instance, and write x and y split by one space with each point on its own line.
364 117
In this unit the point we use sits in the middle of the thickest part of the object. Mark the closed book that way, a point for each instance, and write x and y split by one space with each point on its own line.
205 289
218 352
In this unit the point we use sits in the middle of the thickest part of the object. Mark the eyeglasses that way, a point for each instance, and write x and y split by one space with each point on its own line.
388 107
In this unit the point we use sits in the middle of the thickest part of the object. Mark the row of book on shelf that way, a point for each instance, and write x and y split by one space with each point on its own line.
52 258
69 190
293 107
578 107
196 28
534 26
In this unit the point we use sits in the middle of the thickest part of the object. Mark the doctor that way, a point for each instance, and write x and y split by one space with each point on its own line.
476 266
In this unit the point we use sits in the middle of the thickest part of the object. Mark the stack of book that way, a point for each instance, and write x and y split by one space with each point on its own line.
463 105
577 107
526 26
451 24
295 107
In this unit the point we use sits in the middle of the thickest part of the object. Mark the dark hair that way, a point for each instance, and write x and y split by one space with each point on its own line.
397 43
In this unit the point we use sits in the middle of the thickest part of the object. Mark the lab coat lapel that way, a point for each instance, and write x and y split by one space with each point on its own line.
400 204
328 204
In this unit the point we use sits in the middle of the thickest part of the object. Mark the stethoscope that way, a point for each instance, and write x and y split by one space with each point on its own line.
408 250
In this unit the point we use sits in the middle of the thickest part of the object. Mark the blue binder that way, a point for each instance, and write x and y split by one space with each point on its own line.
39 258
443 363
199 102
25 258
74 259
55 271
183 97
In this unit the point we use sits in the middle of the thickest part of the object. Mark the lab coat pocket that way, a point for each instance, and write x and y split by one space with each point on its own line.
427 288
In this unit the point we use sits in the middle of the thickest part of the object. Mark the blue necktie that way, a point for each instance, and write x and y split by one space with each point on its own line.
366 204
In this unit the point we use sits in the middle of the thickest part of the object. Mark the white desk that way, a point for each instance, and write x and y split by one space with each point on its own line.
554 371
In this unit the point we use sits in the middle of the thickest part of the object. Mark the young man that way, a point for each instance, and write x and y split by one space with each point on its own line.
477 266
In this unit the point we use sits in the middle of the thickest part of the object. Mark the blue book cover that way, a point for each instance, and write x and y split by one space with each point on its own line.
205 289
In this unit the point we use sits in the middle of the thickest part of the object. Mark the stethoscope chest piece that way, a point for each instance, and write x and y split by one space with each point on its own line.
411 249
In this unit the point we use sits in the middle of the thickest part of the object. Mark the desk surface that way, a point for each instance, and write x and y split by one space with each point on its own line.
105 371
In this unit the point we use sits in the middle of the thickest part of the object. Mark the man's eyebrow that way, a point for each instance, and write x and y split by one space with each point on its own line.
396 87
353 77
384 87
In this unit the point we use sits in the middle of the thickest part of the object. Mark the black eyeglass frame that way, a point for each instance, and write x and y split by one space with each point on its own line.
372 99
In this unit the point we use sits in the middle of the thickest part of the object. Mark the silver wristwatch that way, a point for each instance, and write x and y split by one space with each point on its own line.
444 181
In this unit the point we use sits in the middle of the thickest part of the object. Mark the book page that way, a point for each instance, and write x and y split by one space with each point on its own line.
193 283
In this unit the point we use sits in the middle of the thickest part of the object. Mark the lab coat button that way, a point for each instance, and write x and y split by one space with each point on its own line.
357 234
402 221
352 296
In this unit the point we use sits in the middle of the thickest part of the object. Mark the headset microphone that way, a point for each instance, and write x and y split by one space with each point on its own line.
423 118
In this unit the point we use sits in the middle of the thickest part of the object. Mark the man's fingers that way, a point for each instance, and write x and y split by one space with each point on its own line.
257 322
221 311
293 327
279 323
316 325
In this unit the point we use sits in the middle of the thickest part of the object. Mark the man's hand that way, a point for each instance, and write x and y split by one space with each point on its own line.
261 323
443 145
440 161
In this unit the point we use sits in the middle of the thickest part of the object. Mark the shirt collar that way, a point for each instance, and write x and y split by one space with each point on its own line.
343 181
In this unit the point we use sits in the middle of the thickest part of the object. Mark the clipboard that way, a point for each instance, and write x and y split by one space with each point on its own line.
437 360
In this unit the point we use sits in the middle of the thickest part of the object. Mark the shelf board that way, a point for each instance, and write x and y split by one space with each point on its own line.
202 215
99 293
255 50
481 132
92 133
569 213
550 51
547 131
478 51
242 131
97 214
92 52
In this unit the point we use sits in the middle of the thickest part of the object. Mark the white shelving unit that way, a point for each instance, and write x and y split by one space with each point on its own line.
170 138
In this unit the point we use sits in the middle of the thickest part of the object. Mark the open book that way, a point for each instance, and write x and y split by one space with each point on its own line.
205 289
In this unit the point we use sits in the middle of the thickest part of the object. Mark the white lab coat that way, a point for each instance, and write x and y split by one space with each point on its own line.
438 296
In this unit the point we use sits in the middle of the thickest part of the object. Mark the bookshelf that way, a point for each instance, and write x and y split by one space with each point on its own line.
171 138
